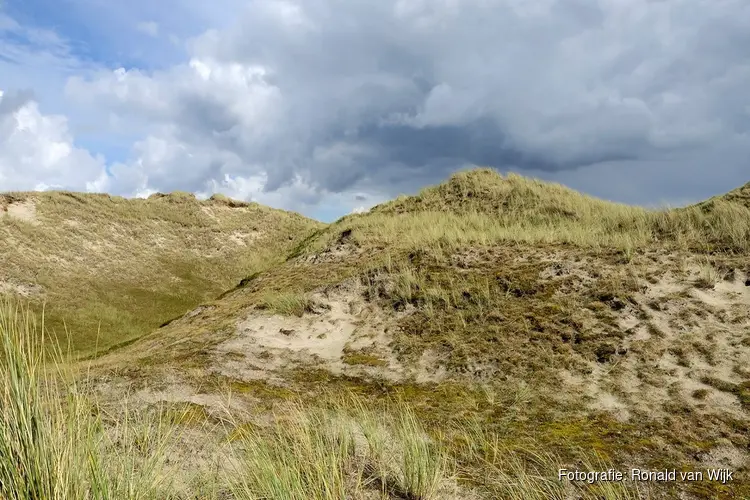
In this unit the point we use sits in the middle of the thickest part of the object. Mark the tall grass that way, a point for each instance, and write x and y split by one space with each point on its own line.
57 443
307 456
532 474
53 443
337 453
346 450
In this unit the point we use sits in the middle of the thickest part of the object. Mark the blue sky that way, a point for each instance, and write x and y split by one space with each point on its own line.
327 106
95 35
113 34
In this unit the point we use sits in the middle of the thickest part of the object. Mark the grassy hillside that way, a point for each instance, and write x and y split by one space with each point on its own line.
532 315
339 448
113 268
481 207
499 327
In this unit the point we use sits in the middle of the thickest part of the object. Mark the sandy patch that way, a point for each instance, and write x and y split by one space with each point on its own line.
338 253
678 339
429 370
167 387
347 337
208 211
726 456
26 290
735 291
159 241
215 404
21 210
242 239
605 401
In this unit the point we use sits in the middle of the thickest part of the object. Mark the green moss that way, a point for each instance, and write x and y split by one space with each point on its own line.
743 392
358 358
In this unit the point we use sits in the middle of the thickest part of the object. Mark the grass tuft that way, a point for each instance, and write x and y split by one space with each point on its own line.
308 455
708 276
53 442
532 473
339 452
287 303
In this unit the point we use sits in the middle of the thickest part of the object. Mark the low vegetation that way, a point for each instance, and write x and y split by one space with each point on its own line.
57 442
111 269
480 208
336 453
490 330
288 303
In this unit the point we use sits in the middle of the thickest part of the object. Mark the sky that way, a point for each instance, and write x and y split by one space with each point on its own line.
331 106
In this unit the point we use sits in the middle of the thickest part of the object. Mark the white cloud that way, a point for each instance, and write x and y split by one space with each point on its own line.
305 103
382 90
235 102
37 151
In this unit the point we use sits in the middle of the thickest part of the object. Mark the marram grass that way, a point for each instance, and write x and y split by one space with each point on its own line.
339 452
57 443
482 208
53 444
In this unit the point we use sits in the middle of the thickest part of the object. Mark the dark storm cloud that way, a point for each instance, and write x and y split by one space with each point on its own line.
393 93
481 143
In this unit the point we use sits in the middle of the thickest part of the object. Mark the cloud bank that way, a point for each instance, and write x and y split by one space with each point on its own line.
307 103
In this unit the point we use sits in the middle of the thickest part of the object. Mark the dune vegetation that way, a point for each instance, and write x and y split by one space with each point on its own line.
110 269
465 342
57 442
479 207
